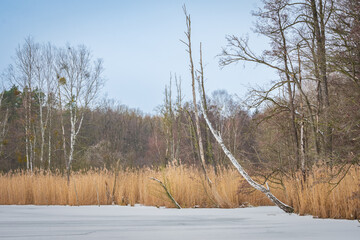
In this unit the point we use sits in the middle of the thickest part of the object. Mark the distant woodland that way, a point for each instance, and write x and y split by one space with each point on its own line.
52 118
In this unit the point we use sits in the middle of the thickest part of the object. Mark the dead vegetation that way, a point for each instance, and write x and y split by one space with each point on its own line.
187 185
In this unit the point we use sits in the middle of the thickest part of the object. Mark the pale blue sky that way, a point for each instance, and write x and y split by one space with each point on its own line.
139 41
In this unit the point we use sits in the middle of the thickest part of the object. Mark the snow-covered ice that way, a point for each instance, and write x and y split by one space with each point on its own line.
119 222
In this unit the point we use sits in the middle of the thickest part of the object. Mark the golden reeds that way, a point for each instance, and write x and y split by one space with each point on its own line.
188 187
326 197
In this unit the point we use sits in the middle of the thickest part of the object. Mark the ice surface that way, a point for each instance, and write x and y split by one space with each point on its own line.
119 222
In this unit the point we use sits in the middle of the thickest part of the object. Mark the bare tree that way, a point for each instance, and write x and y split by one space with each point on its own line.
321 12
345 39
23 74
296 30
192 71
275 23
45 85
171 114
236 164
245 54
168 118
3 121
80 81
218 199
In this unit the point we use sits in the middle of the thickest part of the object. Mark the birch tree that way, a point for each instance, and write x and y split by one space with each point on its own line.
45 85
217 135
168 117
22 73
236 164
240 169
171 114
80 80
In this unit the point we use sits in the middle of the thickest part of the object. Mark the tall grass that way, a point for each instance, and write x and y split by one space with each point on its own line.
338 197
188 187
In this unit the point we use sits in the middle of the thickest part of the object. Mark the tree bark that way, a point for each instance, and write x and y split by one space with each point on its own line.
319 31
197 121
236 164
209 148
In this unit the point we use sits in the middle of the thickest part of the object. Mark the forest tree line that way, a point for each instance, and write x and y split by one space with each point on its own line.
51 116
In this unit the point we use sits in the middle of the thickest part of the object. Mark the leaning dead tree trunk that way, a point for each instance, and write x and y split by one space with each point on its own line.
254 184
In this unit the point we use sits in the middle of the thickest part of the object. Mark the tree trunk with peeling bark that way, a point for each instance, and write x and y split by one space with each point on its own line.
236 164
240 169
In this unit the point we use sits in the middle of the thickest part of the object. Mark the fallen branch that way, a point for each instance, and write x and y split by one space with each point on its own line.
167 192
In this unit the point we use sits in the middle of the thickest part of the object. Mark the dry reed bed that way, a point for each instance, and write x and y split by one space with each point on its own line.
188 187
323 198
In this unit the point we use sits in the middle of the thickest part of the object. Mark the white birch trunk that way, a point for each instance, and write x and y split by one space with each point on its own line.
73 133
32 148
62 129
302 146
42 131
236 164
72 141
27 148
28 142
26 131
49 139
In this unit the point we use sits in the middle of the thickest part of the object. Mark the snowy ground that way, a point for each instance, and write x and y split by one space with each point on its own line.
116 222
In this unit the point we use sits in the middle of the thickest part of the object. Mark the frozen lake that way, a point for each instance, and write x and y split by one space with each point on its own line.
119 222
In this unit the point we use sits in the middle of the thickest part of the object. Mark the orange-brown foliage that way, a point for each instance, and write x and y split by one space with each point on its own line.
187 186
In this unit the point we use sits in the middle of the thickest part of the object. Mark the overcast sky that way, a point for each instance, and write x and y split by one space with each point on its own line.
139 41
